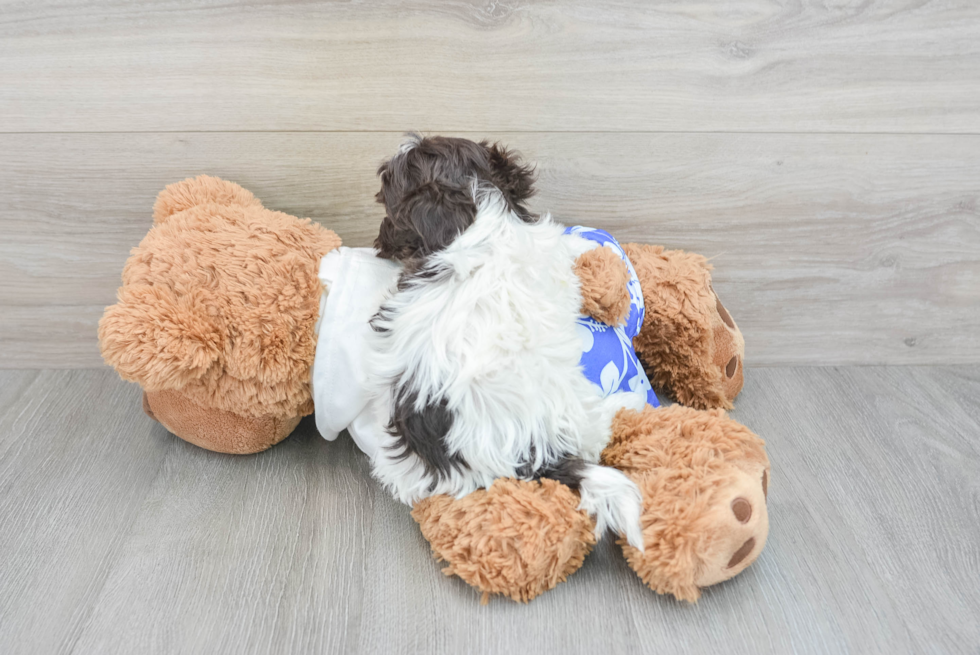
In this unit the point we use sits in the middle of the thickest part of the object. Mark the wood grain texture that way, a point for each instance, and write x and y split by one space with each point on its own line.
76 463
829 249
120 538
760 65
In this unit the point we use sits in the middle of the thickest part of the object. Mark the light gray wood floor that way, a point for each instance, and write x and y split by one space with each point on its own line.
119 538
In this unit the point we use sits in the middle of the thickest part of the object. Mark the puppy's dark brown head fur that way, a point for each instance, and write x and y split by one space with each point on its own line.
427 191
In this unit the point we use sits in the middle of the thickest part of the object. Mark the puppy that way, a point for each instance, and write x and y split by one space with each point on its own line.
478 349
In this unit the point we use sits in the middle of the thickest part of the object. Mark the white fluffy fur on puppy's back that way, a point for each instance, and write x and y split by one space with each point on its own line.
486 331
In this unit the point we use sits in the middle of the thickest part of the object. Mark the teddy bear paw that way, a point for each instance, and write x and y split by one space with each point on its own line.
740 525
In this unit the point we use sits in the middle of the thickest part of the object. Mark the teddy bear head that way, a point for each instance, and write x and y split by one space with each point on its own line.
217 310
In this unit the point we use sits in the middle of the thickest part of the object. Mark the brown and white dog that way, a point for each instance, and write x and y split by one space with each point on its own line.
478 347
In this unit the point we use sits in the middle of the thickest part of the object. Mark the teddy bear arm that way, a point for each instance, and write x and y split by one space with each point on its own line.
603 277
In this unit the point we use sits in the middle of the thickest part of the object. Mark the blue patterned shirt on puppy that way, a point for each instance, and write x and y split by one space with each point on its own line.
608 358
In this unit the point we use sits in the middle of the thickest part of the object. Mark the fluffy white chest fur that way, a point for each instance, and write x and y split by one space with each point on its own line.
486 331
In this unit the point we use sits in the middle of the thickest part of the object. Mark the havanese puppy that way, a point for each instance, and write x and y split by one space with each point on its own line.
479 348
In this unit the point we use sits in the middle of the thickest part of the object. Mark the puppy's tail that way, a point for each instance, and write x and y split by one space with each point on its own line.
611 498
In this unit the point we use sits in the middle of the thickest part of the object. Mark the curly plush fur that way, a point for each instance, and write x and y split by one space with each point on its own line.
477 536
219 301
689 344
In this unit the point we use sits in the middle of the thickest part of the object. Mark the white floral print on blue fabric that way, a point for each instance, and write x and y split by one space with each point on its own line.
608 358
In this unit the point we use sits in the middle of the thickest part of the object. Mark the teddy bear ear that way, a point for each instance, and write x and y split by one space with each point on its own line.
159 340
198 191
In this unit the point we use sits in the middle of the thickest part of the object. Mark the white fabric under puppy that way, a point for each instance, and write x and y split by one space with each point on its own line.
355 283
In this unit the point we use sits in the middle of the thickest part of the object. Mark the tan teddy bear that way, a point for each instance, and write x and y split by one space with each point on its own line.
215 316
216 320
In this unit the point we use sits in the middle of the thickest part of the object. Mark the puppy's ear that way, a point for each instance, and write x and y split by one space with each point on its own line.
512 176
425 221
